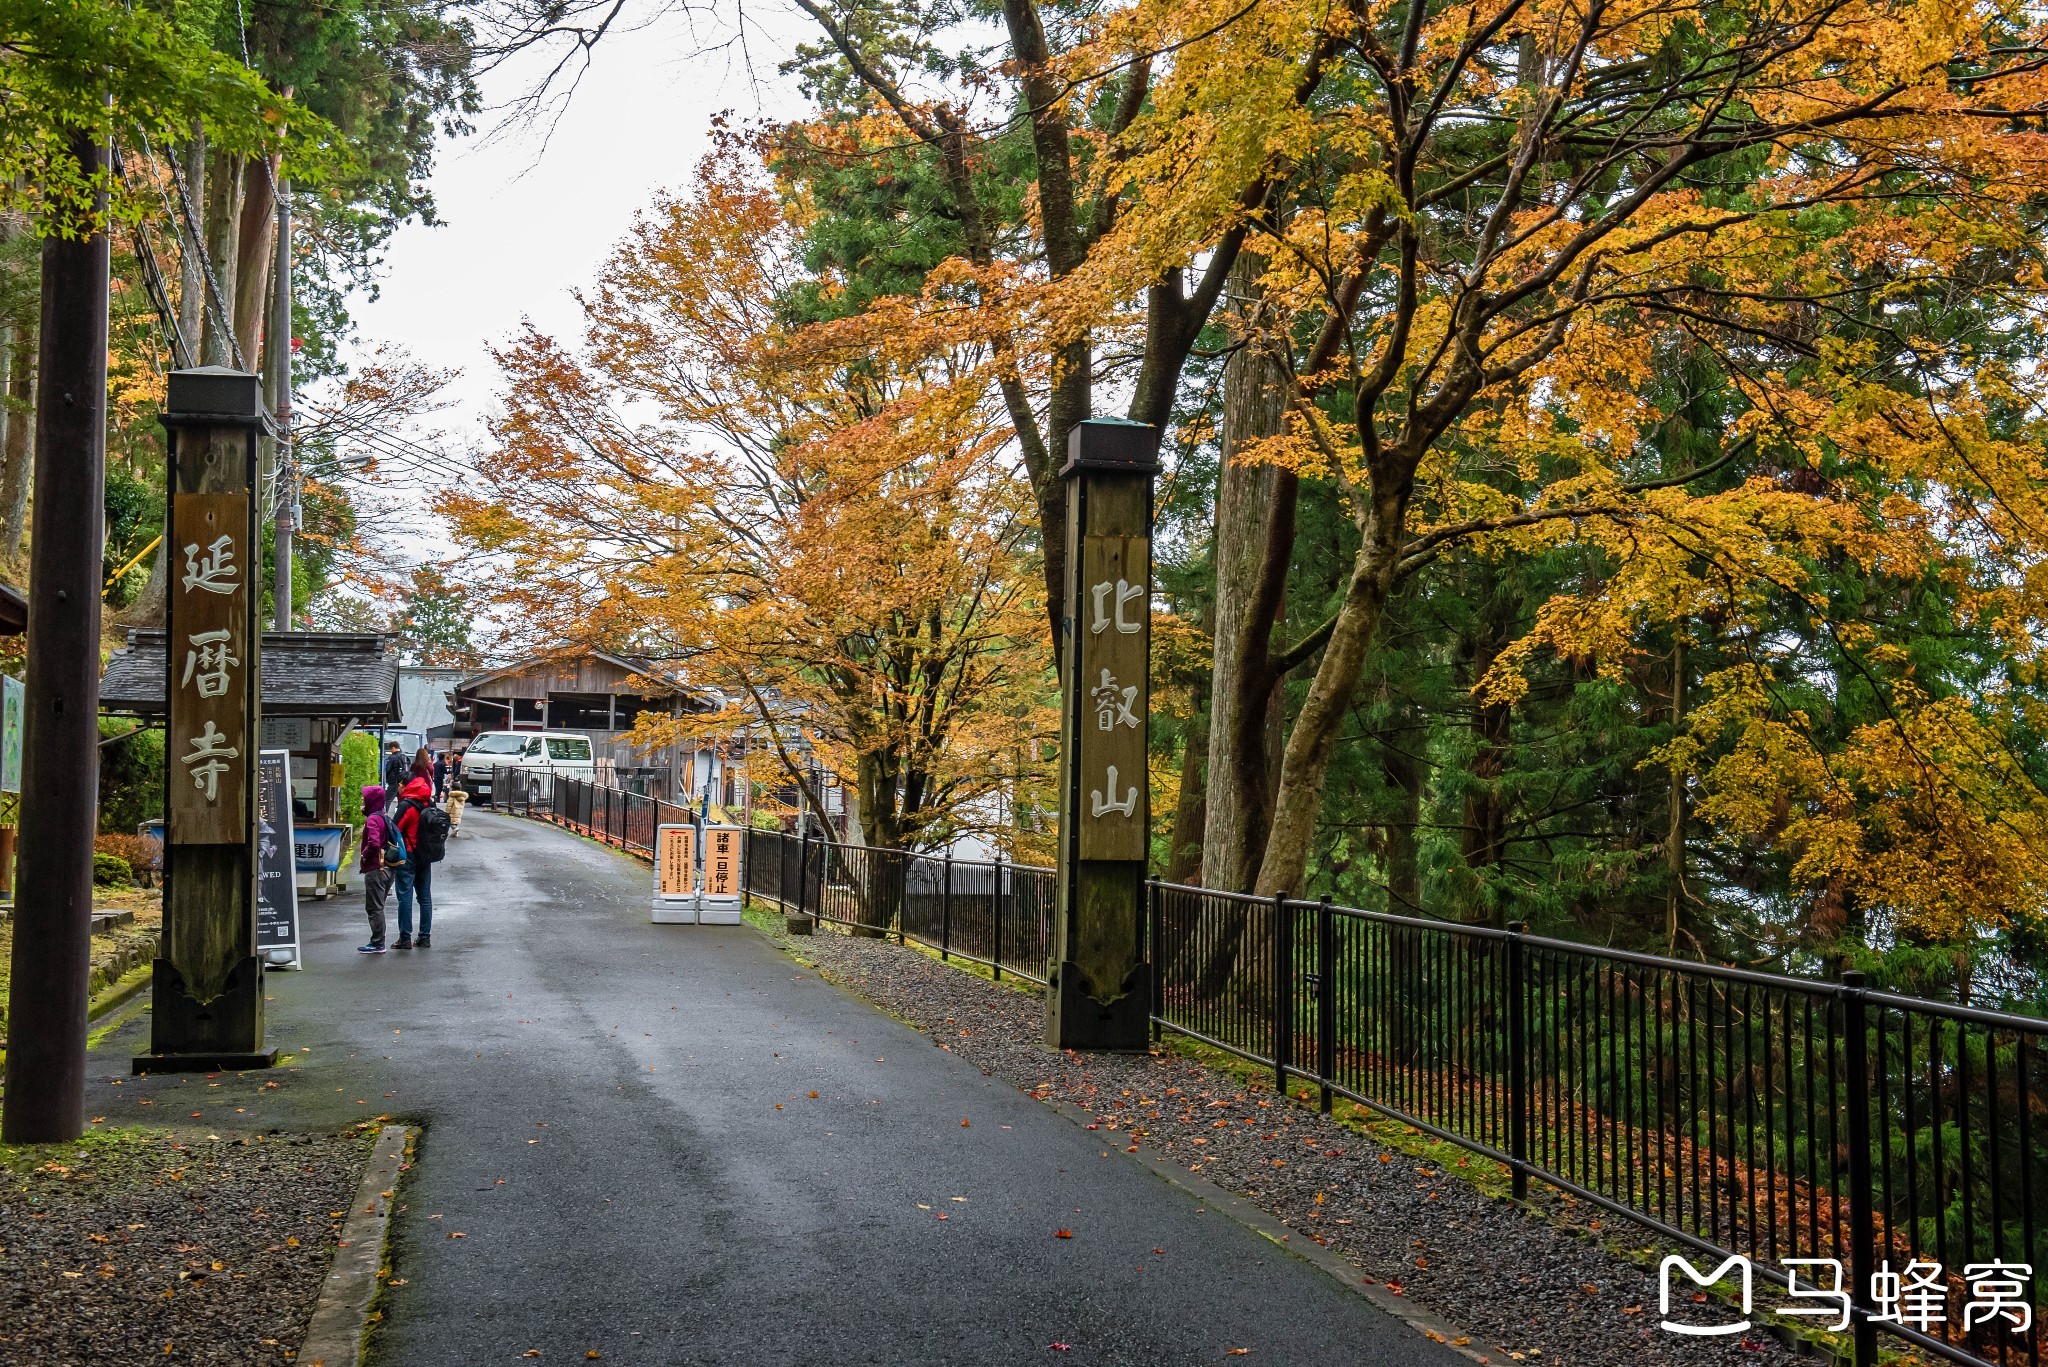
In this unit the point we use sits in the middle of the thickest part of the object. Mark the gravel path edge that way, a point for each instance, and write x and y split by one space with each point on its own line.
341 1317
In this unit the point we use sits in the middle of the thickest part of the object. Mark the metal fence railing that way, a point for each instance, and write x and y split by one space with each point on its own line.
1778 1118
1735 1112
989 912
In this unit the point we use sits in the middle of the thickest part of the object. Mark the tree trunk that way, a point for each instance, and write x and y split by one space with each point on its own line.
1484 839
1403 771
18 453
191 272
1184 848
1240 768
223 228
255 242
1307 760
1674 832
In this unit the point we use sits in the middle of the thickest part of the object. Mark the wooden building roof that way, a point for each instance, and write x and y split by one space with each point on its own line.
593 672
343 675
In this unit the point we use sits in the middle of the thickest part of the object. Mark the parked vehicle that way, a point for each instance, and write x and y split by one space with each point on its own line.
502 765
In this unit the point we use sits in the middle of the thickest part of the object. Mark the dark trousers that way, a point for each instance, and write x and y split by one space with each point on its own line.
376 896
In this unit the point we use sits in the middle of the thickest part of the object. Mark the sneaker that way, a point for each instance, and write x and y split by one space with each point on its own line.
404 942
425 942
372 948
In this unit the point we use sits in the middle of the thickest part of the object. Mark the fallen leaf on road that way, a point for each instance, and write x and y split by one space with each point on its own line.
457 1234
592 1354
1063 1234
1061 1347
964 1125
812 1095
531 1353
1240 1352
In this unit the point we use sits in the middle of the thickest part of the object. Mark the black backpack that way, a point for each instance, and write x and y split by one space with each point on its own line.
430 836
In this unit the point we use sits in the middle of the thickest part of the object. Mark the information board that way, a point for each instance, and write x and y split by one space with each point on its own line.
318 849
277 883
12 699
721 903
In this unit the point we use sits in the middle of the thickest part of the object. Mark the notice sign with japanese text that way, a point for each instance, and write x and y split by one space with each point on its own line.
721 861
12 701
675 861
1114 642
208 738
277 883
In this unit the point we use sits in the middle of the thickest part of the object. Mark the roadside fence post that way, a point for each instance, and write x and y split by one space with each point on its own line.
946 910
996 908
1862 1231
803 871
1155 913
899 892
1283 991
1516 988
1326 1000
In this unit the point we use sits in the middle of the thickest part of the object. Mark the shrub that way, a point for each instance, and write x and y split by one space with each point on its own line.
110 871
131 776
138 852
358 768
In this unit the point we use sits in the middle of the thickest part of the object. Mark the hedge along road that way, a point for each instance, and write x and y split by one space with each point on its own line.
672 1144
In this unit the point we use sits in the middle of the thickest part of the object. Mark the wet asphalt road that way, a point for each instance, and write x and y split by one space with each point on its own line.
598 1098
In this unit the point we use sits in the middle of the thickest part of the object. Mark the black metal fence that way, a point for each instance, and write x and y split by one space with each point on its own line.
989 912
1734 1112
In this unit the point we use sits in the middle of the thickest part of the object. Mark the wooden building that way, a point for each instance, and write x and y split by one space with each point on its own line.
600 696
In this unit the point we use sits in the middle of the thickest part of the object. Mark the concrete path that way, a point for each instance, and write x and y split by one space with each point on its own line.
599 1100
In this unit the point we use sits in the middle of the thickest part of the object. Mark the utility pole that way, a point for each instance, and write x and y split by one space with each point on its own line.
278 367
60 735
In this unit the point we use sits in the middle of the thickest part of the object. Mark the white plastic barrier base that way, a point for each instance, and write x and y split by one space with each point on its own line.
719 911
675 911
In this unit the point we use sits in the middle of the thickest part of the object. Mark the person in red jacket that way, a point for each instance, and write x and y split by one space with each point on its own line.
415 875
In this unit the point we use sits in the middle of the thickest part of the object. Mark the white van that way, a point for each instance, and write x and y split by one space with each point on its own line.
505 765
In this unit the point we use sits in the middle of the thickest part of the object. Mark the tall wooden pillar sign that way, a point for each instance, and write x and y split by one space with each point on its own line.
1101 994
208 993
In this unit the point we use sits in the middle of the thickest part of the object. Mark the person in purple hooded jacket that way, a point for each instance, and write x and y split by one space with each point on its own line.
378 831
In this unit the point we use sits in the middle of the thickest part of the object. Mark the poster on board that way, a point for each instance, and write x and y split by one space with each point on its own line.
675 874
721 903
12 700
277 883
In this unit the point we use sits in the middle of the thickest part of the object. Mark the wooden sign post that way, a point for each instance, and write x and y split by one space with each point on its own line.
1101 995
208 992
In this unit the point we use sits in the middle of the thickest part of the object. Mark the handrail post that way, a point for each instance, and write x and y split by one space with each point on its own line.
1283 991
1326 1000
1862 1231
803 870
900 892
946 910
996 908
1155 903
1516 988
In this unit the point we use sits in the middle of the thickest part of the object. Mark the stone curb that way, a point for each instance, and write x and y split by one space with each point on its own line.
341 1318
1264 1223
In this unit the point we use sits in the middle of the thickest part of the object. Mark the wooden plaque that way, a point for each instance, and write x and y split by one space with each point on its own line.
1113 630
209 741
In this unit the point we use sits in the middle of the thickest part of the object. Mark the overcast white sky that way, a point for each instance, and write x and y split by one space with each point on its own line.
524 225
